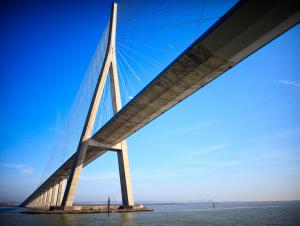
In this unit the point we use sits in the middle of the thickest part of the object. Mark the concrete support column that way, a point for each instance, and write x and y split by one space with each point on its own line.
50 196
48 199
44 199
36 201
54 195
61 191
125 178
74 176
39 201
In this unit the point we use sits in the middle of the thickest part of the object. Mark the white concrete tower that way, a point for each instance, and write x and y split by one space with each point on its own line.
109 66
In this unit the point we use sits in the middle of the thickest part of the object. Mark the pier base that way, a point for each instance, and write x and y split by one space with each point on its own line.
88 209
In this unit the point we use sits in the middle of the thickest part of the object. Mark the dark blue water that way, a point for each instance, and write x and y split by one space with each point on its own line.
254 213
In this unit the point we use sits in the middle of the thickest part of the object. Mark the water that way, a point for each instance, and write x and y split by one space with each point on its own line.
254 213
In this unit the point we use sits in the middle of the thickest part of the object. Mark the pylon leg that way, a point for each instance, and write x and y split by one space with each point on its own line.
125 178
74 177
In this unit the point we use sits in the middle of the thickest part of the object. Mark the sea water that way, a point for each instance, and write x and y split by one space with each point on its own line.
252 213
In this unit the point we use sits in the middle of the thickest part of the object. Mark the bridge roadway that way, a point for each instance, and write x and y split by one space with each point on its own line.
247 27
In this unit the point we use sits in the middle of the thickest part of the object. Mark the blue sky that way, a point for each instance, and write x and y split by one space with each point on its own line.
236 139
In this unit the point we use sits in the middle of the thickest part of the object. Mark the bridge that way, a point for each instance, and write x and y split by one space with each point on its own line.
244 29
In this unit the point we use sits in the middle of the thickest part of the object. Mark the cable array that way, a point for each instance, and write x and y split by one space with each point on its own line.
150 34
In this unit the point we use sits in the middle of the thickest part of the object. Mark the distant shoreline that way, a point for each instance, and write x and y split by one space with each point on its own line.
220 202
8 205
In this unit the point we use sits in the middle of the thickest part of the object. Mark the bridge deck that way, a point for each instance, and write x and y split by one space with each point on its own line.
244 29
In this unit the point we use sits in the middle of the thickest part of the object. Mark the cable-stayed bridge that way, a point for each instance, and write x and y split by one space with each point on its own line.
244 29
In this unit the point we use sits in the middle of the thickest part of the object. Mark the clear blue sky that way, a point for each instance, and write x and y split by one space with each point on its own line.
236 139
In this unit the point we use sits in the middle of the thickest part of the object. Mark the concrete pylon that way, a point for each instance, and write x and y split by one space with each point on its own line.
110 66
124 171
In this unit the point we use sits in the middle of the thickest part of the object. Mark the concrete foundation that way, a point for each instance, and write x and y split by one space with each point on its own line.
89 209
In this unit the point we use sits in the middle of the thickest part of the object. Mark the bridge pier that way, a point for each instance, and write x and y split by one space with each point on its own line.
48 200
43 199
34 203
61 191
39 201
54 195
125 178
